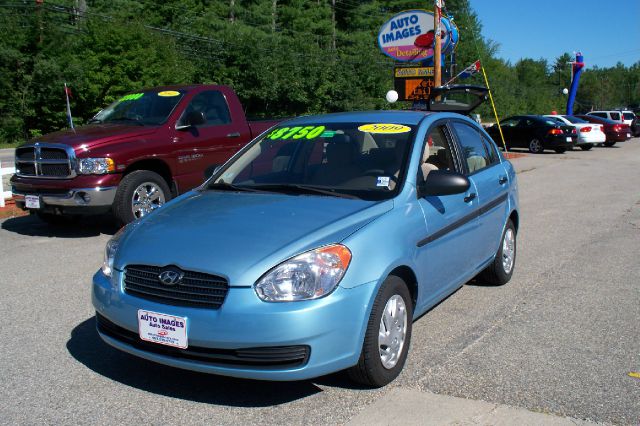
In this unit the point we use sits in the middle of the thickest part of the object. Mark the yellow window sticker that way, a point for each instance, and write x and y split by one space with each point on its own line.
168 93
384 128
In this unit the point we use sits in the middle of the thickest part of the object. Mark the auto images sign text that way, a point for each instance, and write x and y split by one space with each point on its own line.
397 37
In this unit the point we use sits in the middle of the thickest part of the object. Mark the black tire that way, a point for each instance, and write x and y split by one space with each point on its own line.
586 147
495 273
609 143
535 146
370 370
560 150
123 203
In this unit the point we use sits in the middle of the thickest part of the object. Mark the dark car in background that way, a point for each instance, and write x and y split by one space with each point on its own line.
615 130
536 133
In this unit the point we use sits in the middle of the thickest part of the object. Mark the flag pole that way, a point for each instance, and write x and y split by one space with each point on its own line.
486 81
66 94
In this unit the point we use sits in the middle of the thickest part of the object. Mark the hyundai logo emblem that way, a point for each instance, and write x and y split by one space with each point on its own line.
171 276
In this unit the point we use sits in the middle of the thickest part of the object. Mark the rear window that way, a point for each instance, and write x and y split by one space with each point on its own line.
628 115
573 119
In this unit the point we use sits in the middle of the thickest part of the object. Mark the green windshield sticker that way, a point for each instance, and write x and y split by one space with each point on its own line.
308 132
328 134
131 97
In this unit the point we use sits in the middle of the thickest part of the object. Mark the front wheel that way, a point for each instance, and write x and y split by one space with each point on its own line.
388 334
561 150
140 193
586 147
535 146
499 272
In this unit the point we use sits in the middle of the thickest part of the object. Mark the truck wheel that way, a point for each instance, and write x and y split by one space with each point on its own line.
388 334
140 193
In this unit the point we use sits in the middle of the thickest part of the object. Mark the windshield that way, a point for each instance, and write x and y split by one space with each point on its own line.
353 160
573 119
144 108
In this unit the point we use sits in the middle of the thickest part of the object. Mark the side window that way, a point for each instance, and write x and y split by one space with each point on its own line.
512 122
600 114
615 116
213 105
491 149
473 150
437 154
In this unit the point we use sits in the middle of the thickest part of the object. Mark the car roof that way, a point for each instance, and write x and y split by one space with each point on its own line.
401 117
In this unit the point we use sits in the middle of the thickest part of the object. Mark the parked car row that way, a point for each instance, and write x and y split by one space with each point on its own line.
562 132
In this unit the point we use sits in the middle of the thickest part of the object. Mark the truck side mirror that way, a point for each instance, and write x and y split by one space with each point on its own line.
194 118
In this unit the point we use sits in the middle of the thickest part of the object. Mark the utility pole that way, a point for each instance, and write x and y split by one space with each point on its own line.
274 5
437 47
333 22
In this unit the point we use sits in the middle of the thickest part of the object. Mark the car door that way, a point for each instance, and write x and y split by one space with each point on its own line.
446 253
508 127
483 168
197 148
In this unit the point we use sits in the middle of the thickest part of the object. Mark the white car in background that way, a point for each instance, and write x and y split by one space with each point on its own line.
589 134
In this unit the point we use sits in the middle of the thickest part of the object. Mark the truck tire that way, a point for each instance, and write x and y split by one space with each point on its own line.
139 193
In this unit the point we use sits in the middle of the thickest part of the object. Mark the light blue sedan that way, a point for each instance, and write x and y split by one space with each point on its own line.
314 248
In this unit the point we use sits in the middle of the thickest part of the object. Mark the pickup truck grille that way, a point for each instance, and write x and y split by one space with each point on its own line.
45 161
195 289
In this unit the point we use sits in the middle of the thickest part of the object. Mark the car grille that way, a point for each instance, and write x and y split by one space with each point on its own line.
195 290
44 162
269 357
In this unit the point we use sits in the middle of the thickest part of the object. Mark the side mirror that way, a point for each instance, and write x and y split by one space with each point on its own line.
194 118
443 182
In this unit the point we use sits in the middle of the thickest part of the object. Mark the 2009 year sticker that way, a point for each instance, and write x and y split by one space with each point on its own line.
388 128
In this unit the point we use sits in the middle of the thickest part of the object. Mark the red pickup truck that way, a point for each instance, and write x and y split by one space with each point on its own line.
134 155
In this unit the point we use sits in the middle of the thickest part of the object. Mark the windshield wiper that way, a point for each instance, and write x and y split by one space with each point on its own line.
302 189
94 120
223 186
138 122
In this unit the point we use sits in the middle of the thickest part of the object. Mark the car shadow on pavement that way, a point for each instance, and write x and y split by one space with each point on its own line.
80 227
86 346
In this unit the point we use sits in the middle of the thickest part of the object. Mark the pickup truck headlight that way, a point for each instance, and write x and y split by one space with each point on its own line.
307 276
110 252
96 166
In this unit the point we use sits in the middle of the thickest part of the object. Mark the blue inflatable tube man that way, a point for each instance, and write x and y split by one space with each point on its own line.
576 70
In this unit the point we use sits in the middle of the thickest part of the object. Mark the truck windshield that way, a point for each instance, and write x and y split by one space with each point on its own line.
144 108
351 160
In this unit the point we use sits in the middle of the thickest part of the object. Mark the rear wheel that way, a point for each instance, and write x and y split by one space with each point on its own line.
388 334
560 150
586 147
499 272
609 143
535 146
140 193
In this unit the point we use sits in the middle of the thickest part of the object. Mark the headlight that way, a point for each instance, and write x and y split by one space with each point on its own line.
307 276
96 166
110 252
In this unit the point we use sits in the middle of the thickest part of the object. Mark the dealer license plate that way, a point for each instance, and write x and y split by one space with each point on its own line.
568 139
32 201
162 329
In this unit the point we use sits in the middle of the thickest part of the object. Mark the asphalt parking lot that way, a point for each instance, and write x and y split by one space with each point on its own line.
560 338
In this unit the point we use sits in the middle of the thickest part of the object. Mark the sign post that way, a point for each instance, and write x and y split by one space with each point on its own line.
437 54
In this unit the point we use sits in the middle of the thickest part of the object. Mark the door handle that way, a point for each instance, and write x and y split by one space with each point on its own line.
233 135
470 197
503 179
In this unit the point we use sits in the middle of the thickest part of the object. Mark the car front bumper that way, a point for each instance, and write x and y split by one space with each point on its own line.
78 197
331 327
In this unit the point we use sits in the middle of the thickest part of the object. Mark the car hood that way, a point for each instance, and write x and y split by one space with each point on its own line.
241 235
94 135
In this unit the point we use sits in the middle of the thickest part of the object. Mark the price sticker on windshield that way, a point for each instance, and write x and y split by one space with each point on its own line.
387 128
299 132
131 97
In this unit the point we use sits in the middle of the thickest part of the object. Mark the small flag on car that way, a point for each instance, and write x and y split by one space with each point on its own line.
67 93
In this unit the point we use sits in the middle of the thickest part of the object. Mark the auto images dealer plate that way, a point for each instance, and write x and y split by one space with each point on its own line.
163 329
32 201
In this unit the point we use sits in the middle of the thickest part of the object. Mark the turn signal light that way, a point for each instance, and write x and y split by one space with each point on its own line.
585 129
555 132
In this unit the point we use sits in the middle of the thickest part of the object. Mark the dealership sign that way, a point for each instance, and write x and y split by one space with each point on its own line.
409 35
